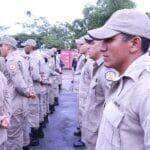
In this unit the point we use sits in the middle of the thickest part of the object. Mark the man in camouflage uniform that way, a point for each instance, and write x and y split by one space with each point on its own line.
34 120
54 86
96 96
5 110
47 71
38 76
28 80
84 82
33 116
81 62
82 57
57 79
19 91
59 70
125 121
49 55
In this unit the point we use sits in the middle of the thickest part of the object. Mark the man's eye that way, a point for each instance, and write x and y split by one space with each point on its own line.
90 42
109 40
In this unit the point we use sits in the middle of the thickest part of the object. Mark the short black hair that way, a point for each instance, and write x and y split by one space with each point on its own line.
93 38
89 40
145 41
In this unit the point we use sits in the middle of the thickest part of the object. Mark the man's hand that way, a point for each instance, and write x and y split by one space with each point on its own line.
5 122
32 94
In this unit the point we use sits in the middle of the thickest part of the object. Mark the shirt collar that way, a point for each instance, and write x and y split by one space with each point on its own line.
9 55
100 61
136 68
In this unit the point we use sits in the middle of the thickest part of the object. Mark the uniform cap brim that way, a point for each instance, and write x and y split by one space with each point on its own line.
102 33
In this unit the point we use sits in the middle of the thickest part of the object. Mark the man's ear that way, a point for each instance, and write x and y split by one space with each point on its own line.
135 44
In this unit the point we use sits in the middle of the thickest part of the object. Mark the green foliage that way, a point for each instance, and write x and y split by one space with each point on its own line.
23 37
64 35
97 16
58 36
35 25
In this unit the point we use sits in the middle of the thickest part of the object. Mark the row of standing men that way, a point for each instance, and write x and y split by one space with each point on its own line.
30 82
91 76
114 75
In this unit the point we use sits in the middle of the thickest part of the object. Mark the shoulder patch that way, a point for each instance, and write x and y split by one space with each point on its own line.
110 76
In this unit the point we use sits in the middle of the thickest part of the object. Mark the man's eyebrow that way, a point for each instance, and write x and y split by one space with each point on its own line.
108 39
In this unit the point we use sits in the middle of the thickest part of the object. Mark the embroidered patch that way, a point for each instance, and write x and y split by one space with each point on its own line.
110 76
12 67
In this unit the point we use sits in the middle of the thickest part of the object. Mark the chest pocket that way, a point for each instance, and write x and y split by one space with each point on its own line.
113 117
113 114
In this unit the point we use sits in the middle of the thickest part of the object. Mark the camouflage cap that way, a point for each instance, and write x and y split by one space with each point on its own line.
130 21
88 38
45 53
9 41
51 51
29 42
80 41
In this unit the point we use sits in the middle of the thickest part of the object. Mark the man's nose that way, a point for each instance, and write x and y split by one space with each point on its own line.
103 46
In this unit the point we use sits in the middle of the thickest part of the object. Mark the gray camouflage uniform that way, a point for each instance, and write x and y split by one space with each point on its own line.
94 103
33 106
125 121
37 74
84 83
46 71
19 93
5 108
2 64
54 74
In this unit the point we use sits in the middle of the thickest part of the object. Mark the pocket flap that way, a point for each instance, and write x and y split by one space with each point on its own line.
113 114
93 84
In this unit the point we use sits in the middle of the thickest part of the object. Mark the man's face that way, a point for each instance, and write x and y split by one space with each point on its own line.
94 49
28 49
117 51
83 48
4 49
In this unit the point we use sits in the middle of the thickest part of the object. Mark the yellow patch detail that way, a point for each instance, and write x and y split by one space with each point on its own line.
12 67
110 76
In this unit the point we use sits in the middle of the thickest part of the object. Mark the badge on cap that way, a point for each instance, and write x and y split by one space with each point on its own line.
110 76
